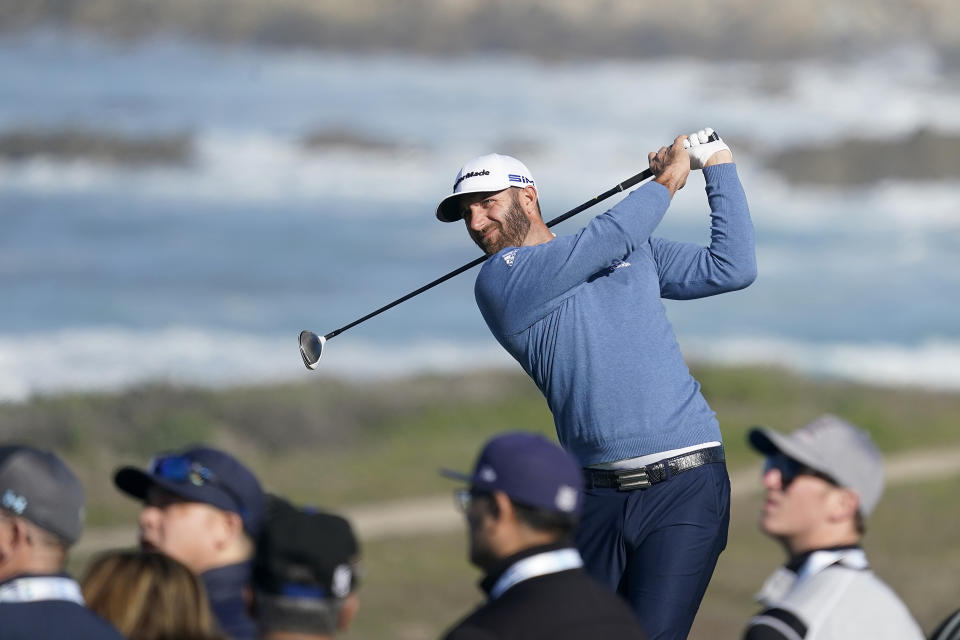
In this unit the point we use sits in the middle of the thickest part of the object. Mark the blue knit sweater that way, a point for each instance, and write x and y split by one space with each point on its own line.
583 316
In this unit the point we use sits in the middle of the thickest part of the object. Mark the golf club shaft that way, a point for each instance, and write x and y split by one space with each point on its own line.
622 186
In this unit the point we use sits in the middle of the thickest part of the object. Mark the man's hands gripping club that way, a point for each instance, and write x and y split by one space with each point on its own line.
704 152
671 165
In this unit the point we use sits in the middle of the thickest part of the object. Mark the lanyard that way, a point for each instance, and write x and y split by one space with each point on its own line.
534 566
41 588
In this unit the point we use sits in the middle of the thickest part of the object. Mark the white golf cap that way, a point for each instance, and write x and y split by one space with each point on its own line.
492 172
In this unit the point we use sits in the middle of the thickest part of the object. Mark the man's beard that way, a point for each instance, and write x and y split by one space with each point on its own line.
481 555
511 233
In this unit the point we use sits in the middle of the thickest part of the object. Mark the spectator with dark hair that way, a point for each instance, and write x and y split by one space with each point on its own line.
147 595
41 517
822 481
522 507
204 508
305 574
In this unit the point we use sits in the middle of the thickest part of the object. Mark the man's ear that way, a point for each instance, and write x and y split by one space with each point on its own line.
12 537
229 527
845 505
527 197
348 609
504 508
234 523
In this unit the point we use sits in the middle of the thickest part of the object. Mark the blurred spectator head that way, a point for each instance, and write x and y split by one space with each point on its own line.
200 505
305 573
148 596
524 491
41 511
822 481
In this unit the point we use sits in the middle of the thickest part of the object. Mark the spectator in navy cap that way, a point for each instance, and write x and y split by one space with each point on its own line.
305 574
204 508
41 517
522 507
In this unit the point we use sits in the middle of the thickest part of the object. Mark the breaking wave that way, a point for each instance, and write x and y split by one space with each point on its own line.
113 358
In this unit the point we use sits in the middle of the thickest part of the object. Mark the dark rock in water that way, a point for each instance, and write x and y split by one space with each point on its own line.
96 146
923 155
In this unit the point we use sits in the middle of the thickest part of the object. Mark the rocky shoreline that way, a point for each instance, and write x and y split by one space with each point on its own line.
100 146
549 29
919 156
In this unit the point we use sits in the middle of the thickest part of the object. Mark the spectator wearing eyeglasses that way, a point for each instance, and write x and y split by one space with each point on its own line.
822 481
522 507
203 507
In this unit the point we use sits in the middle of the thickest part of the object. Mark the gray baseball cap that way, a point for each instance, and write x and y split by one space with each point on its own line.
832 446
37 486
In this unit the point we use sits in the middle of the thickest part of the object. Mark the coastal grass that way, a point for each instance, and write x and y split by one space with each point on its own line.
340 443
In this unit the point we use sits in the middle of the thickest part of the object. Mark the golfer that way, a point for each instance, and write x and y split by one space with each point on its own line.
582 315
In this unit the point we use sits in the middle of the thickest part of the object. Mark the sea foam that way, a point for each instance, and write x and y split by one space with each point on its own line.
112 358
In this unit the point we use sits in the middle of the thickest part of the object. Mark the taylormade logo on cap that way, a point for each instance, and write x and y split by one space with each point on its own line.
492 172
472 174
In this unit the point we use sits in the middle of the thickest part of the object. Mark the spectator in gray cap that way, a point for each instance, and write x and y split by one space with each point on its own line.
522 505
822 481
41 517
203 507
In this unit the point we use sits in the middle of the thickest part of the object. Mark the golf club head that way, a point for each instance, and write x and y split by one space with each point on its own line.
311 348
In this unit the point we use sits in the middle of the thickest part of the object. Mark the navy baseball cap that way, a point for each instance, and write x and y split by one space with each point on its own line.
200 474
530 469
38 486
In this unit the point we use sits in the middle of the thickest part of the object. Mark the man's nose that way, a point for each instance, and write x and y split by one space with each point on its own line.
148 516
772 479
475 218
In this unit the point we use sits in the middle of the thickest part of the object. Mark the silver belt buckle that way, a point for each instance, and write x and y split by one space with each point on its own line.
634 479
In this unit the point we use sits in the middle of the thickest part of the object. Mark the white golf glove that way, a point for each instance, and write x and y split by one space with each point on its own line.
699 149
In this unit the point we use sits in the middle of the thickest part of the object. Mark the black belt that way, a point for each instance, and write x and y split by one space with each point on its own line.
643 477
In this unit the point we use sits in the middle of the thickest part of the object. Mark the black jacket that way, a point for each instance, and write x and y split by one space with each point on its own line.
557 606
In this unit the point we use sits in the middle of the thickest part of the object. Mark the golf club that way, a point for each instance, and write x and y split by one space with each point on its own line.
311 345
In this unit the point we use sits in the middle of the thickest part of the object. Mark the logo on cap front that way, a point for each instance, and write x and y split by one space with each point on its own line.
341 580
14 502
566 499
487 474
470 174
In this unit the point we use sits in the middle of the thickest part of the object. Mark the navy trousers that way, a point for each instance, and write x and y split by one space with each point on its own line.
658 547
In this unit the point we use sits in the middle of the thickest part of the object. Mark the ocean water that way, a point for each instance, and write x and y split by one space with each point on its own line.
206 272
